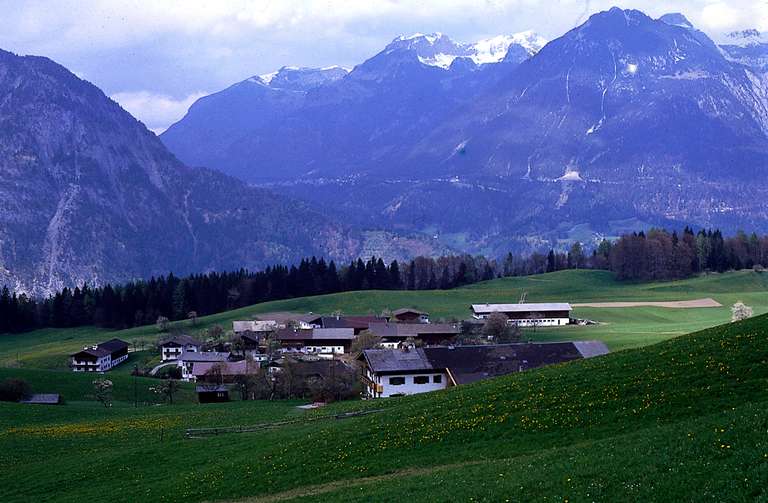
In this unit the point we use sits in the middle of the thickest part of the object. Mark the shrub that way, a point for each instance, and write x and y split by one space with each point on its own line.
13 390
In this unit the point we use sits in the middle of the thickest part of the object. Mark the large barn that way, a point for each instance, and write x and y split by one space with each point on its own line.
101 357
551 314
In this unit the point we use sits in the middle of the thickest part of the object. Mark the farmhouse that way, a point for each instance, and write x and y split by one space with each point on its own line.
525 314
395 372
171 349
225 371
408 315
101 357
324 342
392 334
188 362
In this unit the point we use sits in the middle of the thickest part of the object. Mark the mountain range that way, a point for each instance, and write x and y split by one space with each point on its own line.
429 146
622 123
89 195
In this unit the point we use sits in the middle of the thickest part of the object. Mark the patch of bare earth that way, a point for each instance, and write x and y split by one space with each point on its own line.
673 304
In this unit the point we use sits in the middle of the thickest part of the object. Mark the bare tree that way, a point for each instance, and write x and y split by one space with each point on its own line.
166 389
366 340
496 325
192 316
162 324
740 311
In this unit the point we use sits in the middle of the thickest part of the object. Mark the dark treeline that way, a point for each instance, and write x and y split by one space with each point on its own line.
656 255
143 302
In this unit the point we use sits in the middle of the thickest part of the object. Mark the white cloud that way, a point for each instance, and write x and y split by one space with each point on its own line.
173 48
156 111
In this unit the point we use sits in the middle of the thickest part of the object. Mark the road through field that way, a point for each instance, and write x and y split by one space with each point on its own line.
674 304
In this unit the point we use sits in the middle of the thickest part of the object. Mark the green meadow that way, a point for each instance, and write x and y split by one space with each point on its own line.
682 420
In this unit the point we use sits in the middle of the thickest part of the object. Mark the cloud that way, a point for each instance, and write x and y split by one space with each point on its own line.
170 50
156 111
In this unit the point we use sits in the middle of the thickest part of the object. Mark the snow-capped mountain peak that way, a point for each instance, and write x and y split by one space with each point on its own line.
746 38
300 78
439 50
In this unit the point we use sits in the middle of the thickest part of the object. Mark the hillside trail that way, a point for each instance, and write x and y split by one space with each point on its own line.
319 489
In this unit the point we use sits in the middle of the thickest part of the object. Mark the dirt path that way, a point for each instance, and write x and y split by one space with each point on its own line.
674 304
319 489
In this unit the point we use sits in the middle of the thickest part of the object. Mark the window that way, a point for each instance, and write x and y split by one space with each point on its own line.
437 379
421 380
397 381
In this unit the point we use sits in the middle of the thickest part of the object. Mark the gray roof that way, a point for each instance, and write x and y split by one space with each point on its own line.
471 363
588 349
521 308
207 388
181 340
404 310
333 333
397 360
104 348
43 399
203 356
413 329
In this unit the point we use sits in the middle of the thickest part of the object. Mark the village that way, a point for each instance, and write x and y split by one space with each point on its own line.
333 357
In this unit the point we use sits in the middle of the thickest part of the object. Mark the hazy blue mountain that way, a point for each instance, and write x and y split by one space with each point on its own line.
259 131
621 122
88 194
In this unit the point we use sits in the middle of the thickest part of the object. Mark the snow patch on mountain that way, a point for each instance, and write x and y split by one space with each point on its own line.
439 50
746 38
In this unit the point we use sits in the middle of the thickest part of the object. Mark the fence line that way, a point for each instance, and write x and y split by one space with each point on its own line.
203 432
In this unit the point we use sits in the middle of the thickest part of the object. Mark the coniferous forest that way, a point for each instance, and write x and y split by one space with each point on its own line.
655 255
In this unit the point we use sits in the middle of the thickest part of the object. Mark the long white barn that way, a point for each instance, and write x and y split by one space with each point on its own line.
552 314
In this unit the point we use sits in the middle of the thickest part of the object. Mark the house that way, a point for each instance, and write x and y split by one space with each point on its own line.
212 393
408 315
395 372
393 334
527 315
189 361
170 349
101 357
324 342
43 399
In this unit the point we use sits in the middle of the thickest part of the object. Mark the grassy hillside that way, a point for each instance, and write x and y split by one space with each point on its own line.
620 328
683 419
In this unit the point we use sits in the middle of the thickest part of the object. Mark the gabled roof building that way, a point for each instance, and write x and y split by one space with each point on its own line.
101 357
394 372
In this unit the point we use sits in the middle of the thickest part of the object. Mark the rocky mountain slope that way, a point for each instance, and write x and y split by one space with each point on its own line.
88 194
624 121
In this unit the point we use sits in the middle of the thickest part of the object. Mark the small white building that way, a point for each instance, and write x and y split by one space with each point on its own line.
553 314
172 348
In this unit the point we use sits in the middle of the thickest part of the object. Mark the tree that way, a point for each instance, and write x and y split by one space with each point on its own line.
102 391
496 326
740 311
13 390
162 324
192 316
166 389
366 340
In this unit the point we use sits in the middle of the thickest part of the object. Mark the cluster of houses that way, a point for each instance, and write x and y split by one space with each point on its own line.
413 355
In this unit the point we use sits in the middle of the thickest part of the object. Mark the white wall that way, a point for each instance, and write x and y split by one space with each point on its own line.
410 387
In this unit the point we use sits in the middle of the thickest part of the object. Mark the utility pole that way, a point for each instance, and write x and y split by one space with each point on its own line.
135 390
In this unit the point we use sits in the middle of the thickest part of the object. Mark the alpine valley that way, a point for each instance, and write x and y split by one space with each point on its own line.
622 123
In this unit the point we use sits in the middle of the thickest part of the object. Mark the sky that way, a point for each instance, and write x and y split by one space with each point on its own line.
156 57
